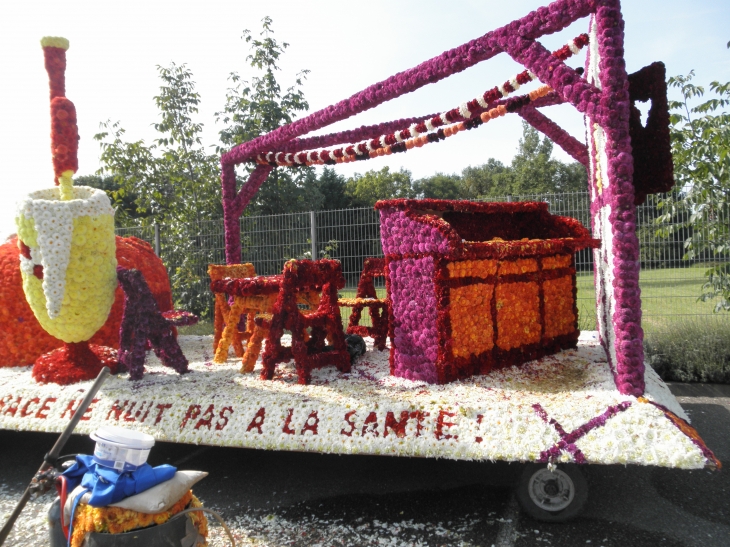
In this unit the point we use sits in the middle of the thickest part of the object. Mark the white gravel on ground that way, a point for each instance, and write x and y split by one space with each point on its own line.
270 530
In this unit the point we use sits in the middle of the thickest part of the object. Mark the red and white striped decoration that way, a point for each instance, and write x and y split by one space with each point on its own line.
383 145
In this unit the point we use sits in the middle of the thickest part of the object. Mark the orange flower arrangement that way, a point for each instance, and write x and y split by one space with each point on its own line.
22 340
560 316
115 520
518 314
471 319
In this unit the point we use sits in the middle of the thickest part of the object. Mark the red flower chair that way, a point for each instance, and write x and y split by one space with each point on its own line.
253 296
309 329
367 297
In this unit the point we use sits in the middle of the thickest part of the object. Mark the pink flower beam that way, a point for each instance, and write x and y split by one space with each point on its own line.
602 96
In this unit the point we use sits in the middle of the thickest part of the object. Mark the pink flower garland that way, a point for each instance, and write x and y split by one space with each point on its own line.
367 148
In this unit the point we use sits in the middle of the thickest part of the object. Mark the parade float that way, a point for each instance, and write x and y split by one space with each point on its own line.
484 360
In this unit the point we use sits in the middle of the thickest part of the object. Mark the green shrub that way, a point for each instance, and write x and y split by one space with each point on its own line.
691 350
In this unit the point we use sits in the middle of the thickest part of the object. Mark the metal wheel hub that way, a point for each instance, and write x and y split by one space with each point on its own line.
551 491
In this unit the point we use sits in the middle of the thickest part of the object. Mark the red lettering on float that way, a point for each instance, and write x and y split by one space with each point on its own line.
223 421
88 410
116 409
128 417
45 408
258 421
24 411
398 426
419 416
350 423
4 400
207 419
192 413
13 408
286 429
311 426
128 414
71 407
441 424
480 417
371 425
161 410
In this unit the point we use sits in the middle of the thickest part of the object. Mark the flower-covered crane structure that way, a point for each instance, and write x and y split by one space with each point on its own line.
603 92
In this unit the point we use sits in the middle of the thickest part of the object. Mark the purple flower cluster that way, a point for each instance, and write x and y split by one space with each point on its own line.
621 308
143 322
568 440
415 338
400 235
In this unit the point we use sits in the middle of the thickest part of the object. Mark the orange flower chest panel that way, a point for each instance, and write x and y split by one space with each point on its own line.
478 286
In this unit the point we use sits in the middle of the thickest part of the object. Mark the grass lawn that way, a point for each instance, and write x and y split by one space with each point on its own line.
668 296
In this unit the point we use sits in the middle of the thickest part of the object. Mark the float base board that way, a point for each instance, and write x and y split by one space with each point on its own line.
562 408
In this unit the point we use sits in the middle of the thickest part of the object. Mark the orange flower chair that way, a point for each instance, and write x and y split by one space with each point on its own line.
367 297
221 323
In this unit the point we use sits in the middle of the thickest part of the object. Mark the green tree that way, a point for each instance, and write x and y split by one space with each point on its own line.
333 188
701 148
173 180
439 186
490 179
365 190
533 170
125 204
176 183
259 106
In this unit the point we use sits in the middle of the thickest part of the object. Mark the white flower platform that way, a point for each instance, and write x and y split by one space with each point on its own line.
562 408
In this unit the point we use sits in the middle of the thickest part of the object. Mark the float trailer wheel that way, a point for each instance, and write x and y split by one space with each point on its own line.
552 495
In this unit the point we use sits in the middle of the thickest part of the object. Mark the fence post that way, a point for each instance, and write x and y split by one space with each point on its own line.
157 239
313 233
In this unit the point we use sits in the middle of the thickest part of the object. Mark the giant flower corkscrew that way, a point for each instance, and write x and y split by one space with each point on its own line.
67 248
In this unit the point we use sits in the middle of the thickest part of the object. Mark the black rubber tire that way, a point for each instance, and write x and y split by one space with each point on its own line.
575 480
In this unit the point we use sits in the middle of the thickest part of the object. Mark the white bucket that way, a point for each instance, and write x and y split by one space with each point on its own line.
120 448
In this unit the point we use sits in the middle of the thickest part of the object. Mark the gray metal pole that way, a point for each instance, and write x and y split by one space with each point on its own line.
157 239
313 232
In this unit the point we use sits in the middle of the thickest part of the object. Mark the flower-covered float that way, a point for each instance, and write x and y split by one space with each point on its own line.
443 390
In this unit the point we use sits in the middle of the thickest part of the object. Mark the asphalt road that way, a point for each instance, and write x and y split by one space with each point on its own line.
283 498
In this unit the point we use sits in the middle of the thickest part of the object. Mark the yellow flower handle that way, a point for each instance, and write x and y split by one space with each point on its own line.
66 183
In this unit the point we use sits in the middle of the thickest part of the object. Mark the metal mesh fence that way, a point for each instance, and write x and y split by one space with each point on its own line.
670 285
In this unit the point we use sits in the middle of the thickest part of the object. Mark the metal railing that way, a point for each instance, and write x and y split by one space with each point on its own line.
670 285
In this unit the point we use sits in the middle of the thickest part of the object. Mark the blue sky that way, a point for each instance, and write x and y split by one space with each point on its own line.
115 48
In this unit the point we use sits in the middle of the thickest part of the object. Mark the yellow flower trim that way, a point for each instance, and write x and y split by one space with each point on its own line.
519 266
55 41
91 278
115 520
66 183
472 268
471 319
